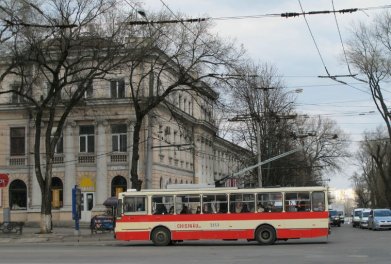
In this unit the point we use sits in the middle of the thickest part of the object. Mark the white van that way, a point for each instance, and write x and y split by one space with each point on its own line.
356 216
364 218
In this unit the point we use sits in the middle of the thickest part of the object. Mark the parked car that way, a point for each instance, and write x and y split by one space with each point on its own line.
356 216
364 218
334 219
379 219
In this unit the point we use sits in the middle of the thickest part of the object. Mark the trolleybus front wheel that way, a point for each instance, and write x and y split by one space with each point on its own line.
265 235
161 236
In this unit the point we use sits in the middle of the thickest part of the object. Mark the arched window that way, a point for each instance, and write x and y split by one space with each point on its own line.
176 181
118 184
18 195
57 193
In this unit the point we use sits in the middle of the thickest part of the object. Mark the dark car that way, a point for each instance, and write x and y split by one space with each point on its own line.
341 216
334 218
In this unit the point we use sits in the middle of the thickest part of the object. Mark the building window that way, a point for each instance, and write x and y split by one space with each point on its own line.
59 149
57 193
18 195
87 139
117 88
17 141
16 98
89 90
119 139
60 146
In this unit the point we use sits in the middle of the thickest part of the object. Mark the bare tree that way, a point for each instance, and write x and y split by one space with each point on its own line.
369 50
54 65
260 101
264 112
177 59
324 145
373 159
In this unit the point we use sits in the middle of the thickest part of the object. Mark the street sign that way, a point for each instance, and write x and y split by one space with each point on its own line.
4 180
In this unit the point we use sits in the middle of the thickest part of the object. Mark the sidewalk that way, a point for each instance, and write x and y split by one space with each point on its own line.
59 235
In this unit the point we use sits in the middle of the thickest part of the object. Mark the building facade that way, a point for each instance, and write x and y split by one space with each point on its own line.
178 145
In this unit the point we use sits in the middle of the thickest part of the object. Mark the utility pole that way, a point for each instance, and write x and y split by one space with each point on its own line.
259 153
149 154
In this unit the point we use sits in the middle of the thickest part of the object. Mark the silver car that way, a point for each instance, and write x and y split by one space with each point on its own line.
379 219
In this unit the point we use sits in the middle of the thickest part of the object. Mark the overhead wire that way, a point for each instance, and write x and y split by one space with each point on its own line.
313 39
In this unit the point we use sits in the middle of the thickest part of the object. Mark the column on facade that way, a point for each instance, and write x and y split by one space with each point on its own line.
69 163
35 190
36 195
211 160
101 165
130 147
203 157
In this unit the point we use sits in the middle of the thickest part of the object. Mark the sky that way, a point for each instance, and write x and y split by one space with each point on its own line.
287 44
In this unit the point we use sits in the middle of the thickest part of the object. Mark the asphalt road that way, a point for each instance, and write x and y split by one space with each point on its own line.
344 245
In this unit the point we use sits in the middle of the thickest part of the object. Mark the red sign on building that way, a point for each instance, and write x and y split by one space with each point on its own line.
3 180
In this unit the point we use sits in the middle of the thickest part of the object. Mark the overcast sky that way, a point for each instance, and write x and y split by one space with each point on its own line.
287 44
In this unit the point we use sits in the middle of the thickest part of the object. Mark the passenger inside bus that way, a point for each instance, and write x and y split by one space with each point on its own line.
160 209
238 207
223 208
319 208
269 207
260 208
245 209
185 210
198 211
301 206
205 209
171 211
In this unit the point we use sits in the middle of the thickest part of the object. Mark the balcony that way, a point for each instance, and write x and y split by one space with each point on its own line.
17 161
86 158
58 159
119 158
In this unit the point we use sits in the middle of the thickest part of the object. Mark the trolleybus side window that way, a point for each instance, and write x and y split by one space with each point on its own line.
318 201
161 204
297 201
214 203
269 202
187 203
135 204
242 202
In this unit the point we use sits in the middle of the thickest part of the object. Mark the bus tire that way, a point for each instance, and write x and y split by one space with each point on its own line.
161 236
265 235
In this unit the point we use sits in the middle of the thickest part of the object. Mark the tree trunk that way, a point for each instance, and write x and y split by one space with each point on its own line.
136 182
46 215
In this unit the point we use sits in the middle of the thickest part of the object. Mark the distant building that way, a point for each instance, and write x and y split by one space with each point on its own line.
343 200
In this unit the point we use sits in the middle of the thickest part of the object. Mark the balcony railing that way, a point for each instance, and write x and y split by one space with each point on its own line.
86 158
58 159
119 158
17 161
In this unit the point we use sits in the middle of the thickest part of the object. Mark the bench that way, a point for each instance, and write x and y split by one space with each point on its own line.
9 227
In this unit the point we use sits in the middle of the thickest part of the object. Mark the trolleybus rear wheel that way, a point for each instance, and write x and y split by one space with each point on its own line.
265 235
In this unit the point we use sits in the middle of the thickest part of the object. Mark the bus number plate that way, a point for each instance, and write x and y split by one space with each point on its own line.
213 224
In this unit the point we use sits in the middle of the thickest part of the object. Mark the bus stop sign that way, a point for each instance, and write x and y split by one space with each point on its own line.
3 180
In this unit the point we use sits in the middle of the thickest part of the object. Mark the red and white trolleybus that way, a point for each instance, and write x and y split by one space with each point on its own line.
261 214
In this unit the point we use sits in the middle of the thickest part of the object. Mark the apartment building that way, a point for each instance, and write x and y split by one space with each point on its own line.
178 144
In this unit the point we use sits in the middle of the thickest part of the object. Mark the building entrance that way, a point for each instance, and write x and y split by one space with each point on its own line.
87 203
